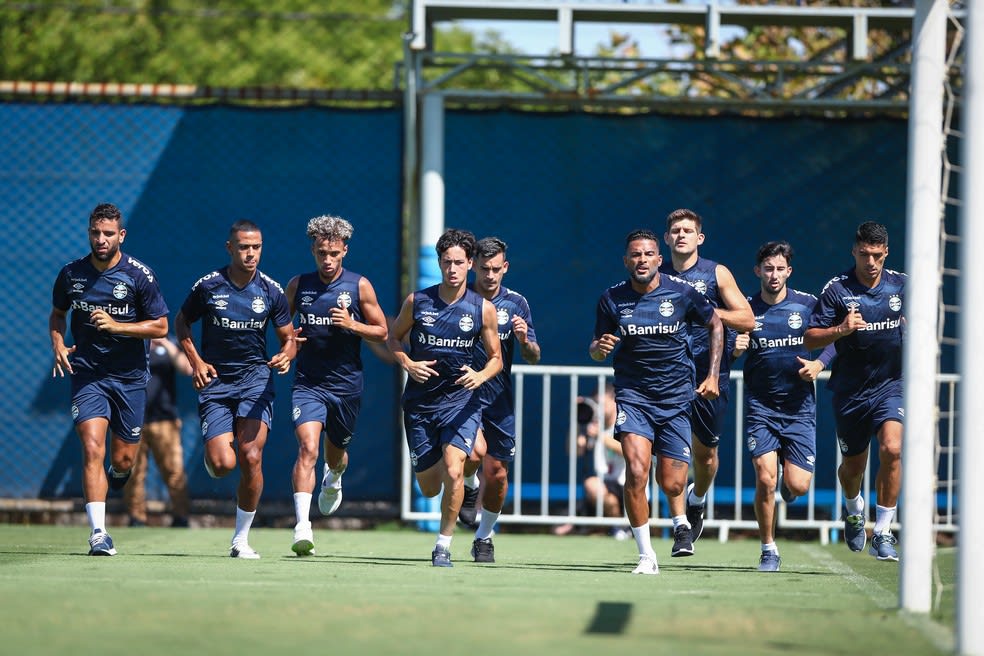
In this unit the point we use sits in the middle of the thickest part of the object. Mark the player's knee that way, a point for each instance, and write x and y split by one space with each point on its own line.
307 455
890 451
251 458
767 480
122 462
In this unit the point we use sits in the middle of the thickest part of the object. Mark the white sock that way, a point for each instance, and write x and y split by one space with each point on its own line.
444 541
883 519
96 511
855 506
302 507
243 521
694 500
486 524
681 520
471 482
643 541
770 547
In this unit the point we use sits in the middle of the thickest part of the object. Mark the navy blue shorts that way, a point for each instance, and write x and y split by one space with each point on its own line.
708 417
499 428
337 414
795 438
668 428
859 419
121 402
221 402
428 432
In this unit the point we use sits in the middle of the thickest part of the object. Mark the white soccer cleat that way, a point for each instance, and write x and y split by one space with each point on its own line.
330 498
303 540
243 550
647 565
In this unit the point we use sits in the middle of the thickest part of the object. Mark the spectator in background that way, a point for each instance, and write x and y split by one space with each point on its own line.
161 436
605 477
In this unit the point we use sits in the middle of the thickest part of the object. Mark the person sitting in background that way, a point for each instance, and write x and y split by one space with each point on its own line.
161 436
607 477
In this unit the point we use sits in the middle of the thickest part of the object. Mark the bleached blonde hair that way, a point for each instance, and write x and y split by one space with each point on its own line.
331 228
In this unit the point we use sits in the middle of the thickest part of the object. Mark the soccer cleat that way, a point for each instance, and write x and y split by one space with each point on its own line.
883 547
330 499
647 565
854 533
683 544
468 515
303 540
695 515
483 551
243 550
116 479
441 557
100 544
769 562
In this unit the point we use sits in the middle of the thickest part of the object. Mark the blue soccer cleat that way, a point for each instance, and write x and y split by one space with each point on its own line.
441 557
883 547
854 533
100 544
769 562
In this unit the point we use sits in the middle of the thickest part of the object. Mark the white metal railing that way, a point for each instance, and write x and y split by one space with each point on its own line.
533 499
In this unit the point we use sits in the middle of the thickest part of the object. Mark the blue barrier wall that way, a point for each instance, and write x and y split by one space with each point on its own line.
562 190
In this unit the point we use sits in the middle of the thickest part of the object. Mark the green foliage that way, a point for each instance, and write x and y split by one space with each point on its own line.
294 43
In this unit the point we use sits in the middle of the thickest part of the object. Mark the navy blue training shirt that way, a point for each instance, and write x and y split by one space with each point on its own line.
446 333
869 359
329 356
129 293
653 360
234 320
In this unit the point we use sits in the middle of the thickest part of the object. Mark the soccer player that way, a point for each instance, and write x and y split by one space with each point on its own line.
442 410
495 444
116 306
684 236
860 312
337 309
647 321
780 399
232 373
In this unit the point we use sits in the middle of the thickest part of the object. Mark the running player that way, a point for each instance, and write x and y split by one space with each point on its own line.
684 236
116 306
495 444
780 398
337 309
860 312
647 321
442 410
232 373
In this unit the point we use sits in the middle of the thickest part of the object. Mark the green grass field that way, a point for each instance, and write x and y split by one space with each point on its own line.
374 592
